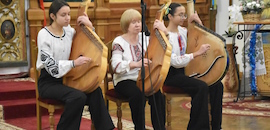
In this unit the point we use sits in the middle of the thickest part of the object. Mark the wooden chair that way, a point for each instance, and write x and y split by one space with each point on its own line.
170 92
50 105
111 94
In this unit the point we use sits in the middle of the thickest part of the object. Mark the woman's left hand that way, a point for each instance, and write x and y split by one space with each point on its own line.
160 25
84 20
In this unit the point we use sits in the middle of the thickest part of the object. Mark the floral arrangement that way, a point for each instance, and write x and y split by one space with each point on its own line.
234 15
251 6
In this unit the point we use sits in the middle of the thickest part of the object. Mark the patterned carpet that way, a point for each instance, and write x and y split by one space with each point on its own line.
5 126
127 125
246 107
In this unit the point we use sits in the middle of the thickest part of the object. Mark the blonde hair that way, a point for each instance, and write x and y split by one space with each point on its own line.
127 17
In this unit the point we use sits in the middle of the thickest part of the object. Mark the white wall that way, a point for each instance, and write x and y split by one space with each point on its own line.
222 16
221 25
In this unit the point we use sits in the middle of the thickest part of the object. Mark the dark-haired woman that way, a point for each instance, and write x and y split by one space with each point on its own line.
54 46
198 90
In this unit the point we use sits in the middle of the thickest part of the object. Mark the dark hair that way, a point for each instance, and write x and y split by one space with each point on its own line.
55 7
171 9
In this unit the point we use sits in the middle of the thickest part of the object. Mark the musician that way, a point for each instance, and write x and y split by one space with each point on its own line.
197 89
54 46
126 62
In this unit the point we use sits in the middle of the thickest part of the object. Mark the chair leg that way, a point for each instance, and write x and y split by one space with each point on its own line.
93 126
119 115
107 103
169 109
38 112
51 117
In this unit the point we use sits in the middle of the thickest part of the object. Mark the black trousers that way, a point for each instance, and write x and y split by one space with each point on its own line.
216 96
137 101
198 90
74 100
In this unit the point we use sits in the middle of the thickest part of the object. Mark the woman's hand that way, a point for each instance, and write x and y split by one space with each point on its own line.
160 25
145 62
196 18
138 64
81 60
85 20
203 49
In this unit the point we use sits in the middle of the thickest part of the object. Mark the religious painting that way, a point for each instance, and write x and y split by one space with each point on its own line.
6 2
7 30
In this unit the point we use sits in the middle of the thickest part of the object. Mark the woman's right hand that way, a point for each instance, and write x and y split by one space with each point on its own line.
203 49
145 62
139 63
81 60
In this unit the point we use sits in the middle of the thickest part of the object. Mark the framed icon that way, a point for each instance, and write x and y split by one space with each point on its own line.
7 29
6 2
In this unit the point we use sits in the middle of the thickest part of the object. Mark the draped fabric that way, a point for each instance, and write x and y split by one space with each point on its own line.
254 59
260 61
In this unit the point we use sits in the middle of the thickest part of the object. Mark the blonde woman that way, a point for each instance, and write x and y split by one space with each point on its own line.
126 62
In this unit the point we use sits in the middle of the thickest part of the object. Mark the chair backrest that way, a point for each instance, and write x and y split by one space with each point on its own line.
109 74
34 51
109 46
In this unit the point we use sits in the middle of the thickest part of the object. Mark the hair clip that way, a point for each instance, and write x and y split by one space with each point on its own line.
167 10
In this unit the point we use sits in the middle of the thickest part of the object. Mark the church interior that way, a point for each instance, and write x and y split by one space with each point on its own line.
246 80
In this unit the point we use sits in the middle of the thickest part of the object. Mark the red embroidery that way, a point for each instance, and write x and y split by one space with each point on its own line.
180 43
116 67
137 52
117 47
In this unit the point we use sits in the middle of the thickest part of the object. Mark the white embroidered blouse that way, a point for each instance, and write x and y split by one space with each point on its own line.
54 51
179 58
122 54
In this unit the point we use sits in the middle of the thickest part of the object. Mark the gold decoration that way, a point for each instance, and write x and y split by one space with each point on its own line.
263 81
266 11
12 33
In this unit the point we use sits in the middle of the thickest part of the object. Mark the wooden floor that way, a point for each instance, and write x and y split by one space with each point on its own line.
180 118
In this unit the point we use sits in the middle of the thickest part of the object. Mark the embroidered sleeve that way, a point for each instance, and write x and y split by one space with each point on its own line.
56 68
180 61
117 47
119 65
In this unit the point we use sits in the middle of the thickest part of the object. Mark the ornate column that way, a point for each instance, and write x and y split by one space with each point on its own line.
12 34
